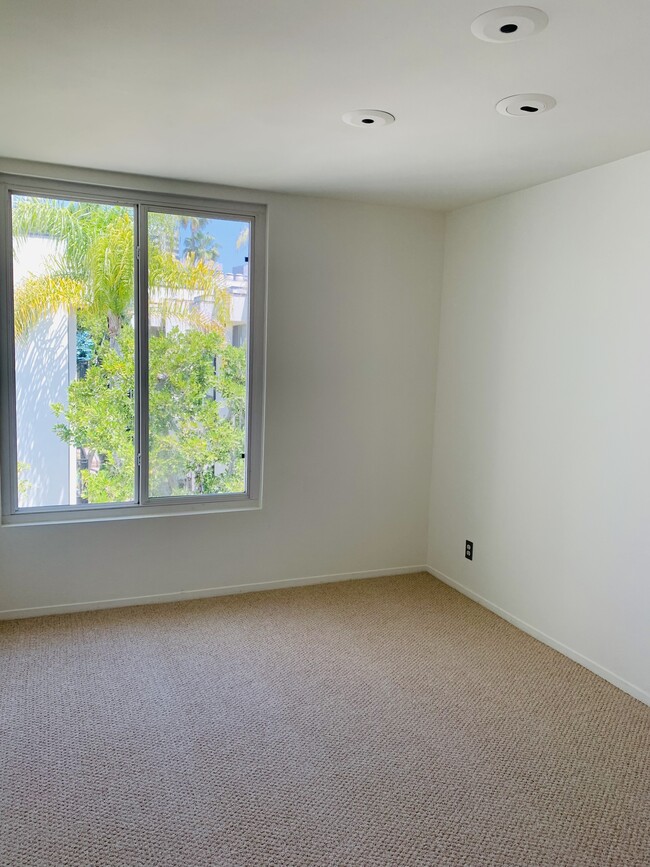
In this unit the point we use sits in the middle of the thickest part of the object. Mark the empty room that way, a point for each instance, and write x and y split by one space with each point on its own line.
324 433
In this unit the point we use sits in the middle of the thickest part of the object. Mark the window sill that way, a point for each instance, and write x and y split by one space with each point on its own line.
33 518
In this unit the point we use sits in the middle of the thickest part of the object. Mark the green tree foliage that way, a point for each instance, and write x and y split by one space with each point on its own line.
197 381
190 432
23 484
197 392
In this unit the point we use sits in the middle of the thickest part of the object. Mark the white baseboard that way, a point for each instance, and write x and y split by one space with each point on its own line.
621 683
606 674
229 590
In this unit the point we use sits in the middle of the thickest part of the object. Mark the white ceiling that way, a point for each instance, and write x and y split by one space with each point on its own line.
251 92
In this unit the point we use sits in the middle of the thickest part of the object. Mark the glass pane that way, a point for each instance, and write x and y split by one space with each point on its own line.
73 285
198 368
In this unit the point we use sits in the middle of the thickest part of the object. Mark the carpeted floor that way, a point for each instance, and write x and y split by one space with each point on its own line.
379 722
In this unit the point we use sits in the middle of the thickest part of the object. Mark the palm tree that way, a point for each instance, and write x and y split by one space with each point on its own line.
202 245
243 237
92 270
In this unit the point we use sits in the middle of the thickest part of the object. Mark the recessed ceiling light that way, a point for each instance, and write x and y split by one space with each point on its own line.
368 117
509 23
525 104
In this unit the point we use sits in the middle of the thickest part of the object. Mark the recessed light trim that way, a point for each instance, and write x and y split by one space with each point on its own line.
509 23
368 117
525 104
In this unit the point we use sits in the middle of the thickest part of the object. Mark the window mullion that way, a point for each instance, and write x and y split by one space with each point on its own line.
142 326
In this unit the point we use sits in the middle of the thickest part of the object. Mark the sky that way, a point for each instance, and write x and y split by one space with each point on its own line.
225 233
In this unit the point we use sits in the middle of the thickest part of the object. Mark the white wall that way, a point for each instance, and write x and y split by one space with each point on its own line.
352 325
542 416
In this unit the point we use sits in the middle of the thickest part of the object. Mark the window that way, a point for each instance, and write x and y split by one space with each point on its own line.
133 346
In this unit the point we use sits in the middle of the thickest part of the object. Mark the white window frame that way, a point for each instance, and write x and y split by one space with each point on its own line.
142 202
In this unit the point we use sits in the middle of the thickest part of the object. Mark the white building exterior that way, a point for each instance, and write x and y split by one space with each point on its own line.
45 365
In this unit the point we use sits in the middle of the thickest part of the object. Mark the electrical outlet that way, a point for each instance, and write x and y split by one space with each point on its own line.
469 550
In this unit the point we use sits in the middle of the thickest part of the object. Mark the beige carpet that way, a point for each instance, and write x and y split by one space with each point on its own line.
378 722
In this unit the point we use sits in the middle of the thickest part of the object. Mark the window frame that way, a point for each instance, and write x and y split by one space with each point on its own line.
142 202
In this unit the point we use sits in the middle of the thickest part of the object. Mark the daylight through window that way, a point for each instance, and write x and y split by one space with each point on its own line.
133 376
